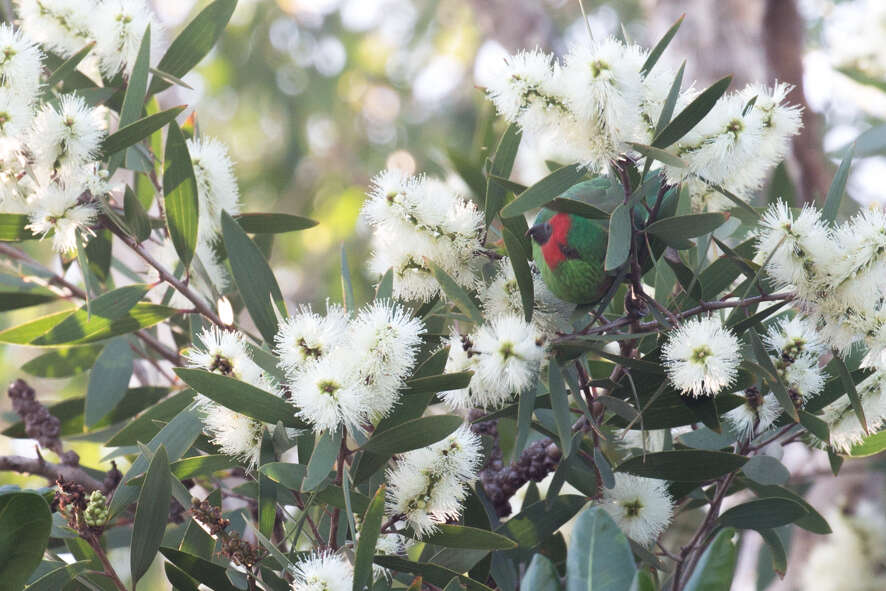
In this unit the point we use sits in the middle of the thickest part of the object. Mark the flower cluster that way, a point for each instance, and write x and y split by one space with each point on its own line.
701 356
428 485
323 571
642 507
226 353
348 372
598 100
505 355
416 222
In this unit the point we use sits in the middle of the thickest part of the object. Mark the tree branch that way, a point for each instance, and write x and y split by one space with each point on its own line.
50 471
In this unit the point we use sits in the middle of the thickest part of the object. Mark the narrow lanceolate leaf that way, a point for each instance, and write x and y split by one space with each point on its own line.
776 550
456 294
471 538
716 566
180 195
210 574
241 397
108 380
439 383
254 278
502 163
25 523
194 42
684 465
599 557
273 223
560 405
134 99
322 459
851 391
667 110
619 245
413 434
369 532
543 191
579 208
136 217
662 156
520 263
136 131
12 227
692 114
68 66
762 514
151 514
837 188
659 48
869 446
686 226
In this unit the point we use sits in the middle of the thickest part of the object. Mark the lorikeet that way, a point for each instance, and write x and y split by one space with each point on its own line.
569 251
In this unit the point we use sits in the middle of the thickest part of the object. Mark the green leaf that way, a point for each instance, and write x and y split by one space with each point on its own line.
870 143
12 227
322 459
502 163
541 575
766 470
240 397
347 288
68 67
543 191
63 362
520 263
180 192
210 574
25 522
851 391
813 521
108 380
815 425
254 278
692 114
536 522
15 300
136 217
560 406
150 422
716 566
837 188
667 110
272 223
578 208
431 573
193 43
369 532
599 557
59 577
441 383
659 48
619 245
460 536
455 293
762 514
651 153
134 99
412 434
136 131
151 514
195 466
686 226
688 465
776 550
869 446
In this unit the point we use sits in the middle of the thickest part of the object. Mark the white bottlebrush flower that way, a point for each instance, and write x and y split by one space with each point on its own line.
21 63
307 336
428 485
13 192
641 507
225 352
329 394
118 27
16 113
846 430
502 297
60 25
506 355
527 91
781 122
852 557
798 248
460 358
857 272
67 136
59 210
604 89
755 415
235 434
701 356
216 184
803 376
791 338
323 571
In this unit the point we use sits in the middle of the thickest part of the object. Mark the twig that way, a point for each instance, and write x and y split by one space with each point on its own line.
96 545
48 470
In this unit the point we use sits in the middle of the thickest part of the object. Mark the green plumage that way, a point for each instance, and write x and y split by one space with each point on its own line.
577 274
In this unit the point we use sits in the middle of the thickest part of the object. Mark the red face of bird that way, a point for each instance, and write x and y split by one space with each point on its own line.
552 237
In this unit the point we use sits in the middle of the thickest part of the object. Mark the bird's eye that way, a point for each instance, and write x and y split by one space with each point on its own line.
548 229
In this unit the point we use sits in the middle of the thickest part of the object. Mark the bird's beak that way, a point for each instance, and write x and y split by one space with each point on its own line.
541 233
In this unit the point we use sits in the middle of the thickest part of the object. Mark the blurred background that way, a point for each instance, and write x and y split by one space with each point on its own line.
314 97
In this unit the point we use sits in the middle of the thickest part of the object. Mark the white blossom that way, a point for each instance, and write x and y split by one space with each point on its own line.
21 63
235 434
754 415
67 136
323 571
845 428
641 507
328 393
60 25
307 336
701 356
216 184
428 485
59 210
794 337
118 27
803 376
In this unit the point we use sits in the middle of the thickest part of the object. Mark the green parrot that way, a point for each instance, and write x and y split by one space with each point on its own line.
569 250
